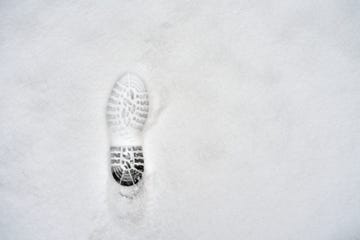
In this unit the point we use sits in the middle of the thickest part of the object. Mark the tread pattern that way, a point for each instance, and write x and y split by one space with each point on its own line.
127 109
128 105
127 164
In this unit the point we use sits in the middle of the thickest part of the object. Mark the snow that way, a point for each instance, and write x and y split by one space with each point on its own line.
253 133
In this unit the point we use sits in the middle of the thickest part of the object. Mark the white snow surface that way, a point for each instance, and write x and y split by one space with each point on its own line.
253 133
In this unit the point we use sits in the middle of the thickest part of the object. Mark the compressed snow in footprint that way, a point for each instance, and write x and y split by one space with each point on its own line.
127 111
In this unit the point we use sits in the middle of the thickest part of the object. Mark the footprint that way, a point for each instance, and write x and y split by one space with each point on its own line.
126 123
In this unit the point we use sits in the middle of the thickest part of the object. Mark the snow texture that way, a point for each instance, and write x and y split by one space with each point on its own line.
253 130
